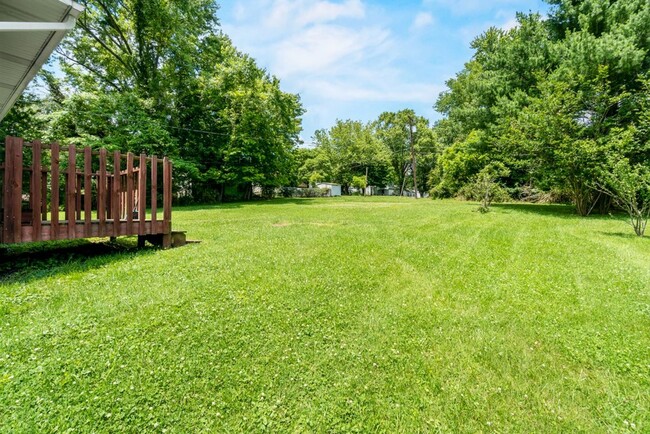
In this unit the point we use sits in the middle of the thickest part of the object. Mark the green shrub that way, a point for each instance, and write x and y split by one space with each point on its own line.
485 187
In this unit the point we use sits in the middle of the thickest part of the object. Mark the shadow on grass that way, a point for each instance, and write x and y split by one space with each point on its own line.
551 210
289 201
30 261
252 203
626 235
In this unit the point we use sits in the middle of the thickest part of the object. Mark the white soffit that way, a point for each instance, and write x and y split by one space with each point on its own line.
29 31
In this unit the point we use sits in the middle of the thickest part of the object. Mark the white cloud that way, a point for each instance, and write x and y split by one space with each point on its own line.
510 24
469 33
341 55
324 11
422 20
401 92
467 7
291 14
281 12
239 12
327 49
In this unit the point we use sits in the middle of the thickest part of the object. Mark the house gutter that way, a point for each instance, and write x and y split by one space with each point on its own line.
57 32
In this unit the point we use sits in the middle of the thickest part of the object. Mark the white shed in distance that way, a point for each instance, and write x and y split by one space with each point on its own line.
335 189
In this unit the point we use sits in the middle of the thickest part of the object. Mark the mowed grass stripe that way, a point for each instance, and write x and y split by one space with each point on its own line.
338 315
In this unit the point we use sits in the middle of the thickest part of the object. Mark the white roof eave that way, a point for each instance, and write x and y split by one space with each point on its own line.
57 32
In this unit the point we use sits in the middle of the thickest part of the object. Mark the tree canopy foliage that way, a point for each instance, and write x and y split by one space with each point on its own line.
159 77
383 150
557 101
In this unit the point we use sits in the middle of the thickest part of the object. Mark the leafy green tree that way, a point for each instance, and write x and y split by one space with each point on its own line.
495 85
136 44
117 121
596 33
569 133
264 126
359 182
485 186
347 150
457 165
315 178
629 186
24 119
426 151
393 130
549 99
503 62
297 175
159 76
639 103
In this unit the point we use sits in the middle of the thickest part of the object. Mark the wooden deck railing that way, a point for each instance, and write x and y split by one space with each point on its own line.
101 195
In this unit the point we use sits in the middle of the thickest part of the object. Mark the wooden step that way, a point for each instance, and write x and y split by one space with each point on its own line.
179 238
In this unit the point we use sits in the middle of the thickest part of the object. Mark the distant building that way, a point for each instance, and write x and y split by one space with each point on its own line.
371 190
411 193
335 189
389 190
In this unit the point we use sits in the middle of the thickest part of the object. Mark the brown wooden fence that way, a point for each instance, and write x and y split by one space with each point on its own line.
54 192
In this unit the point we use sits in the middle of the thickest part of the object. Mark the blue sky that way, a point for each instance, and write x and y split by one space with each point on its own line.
354 59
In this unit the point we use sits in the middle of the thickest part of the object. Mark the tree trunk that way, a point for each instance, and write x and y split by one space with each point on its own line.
401 190
414 165
583 198
604 204
248 193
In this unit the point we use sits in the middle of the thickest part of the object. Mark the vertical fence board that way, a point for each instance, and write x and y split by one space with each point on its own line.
7 193
101 193
142 194
44 195
54 183
167 194
88 189
66 191
129 193
115 199
78 206
13 190
122 198
109 196
167 204
35 191
71 187
154 192
17 187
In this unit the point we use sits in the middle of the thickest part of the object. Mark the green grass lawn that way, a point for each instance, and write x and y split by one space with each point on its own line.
335 315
